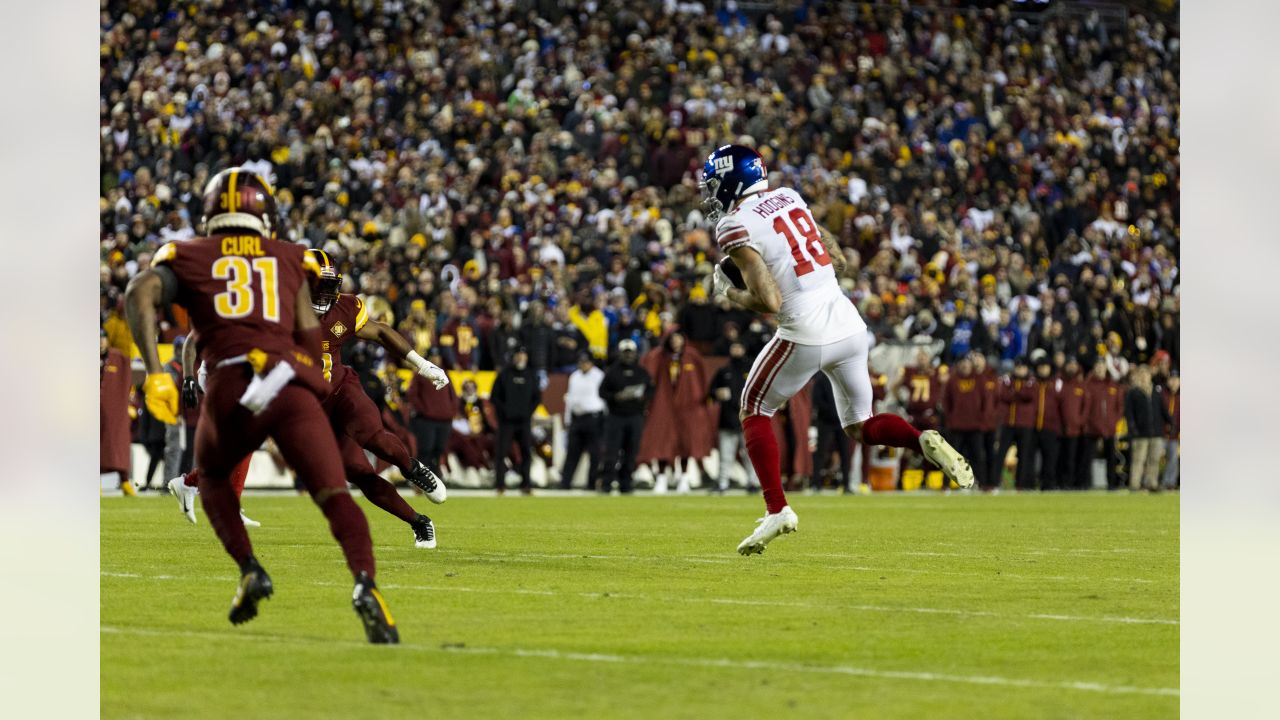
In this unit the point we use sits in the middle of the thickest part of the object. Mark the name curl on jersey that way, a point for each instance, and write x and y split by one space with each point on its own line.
242 245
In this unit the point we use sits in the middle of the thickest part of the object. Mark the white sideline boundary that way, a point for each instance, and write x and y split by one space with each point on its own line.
712 600
723 663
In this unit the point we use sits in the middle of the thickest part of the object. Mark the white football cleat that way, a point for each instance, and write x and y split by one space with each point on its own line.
940 453
248 521
769 527
186 497
424 533
426 481
660 484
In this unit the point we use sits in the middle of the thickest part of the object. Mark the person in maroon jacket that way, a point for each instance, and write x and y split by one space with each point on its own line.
988 384
964 410
114 383
1018 395
1172 430
1104 405
1074 405
1048 423
920 390
433 412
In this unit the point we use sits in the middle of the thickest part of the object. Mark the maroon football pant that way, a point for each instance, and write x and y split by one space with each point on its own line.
353 413
361 474
228 432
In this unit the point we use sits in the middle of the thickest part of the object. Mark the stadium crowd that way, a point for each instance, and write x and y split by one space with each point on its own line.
502 174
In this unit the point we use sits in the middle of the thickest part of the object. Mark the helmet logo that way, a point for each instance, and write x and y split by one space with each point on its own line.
722 164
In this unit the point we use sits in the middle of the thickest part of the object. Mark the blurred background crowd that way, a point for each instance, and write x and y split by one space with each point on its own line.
510 173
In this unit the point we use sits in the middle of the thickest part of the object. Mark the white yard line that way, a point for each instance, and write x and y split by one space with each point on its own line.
716 559
716 601
666 661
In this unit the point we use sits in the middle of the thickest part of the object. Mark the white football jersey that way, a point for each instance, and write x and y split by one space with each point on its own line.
778 225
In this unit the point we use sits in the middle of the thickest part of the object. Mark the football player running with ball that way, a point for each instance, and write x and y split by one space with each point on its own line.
248 297
787 265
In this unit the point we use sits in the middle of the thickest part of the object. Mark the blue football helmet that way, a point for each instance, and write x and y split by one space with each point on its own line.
729 173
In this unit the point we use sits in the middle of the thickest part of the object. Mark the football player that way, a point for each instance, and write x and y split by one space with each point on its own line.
790 267
248 297
184 487
353 414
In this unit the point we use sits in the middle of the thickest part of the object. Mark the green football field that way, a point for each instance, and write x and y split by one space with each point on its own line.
902 606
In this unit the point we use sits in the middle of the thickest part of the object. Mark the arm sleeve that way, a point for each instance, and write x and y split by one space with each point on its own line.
731 234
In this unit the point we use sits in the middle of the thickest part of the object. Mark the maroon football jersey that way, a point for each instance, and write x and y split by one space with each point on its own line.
345 317
964 403
925 390
240 291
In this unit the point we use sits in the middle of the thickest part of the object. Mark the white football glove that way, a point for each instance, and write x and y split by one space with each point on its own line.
720 282
429 370
439 378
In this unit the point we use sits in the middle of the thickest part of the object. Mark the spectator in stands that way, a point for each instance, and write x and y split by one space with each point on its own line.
1105 407
1047 436
831 437
1172 432
1146 417
626 389
964 408
1017 393
472 437
726 390
680 389
584 417
114 382
994 411
1073 455
433 413
516 395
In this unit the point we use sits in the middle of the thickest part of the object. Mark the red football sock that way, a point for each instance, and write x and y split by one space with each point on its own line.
239 474
762 448
890 430
387 446
383 494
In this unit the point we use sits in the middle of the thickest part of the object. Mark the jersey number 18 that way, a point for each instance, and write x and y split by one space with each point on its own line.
808 229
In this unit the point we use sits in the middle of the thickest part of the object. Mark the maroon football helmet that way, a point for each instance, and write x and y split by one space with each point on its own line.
239 199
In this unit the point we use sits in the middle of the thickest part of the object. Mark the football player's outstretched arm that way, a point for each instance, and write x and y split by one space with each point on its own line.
762 294
388 338
394 342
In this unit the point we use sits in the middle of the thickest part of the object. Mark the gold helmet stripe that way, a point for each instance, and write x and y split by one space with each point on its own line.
231 191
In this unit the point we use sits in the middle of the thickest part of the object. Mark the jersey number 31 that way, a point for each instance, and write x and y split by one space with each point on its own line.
808 229
238 300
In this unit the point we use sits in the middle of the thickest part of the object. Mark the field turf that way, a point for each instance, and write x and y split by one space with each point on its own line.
1013 606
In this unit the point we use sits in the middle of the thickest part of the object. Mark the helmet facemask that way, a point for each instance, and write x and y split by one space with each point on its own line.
711 205
324 291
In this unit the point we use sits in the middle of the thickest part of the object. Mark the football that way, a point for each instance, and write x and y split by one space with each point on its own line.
734 274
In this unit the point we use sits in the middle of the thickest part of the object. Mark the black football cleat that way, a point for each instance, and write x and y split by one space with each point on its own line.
424 532
426 481
379 626
255 585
